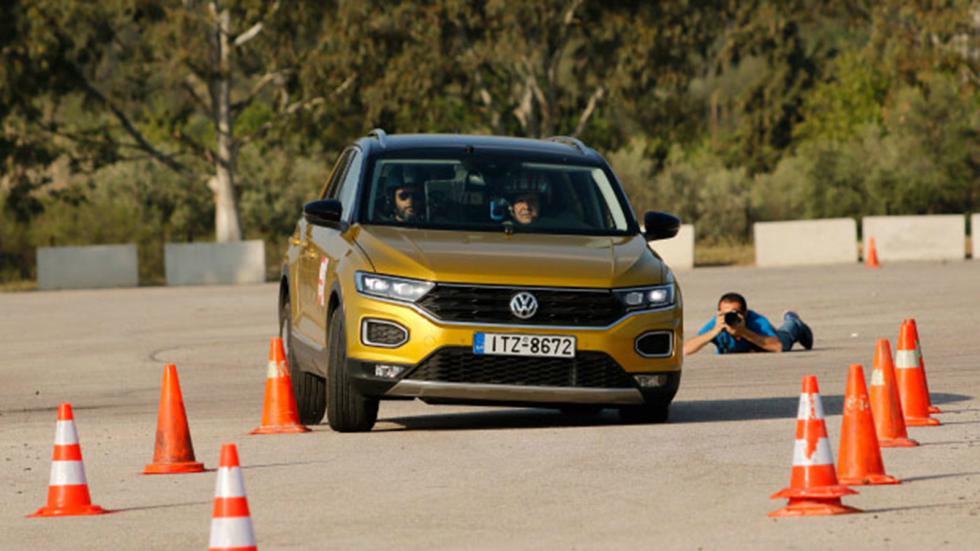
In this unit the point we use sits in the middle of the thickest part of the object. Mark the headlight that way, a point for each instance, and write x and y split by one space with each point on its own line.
645 298
395 288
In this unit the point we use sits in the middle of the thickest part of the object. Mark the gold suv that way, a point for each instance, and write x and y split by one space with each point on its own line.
478 270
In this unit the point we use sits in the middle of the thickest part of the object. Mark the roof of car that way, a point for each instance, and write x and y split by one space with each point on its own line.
379 141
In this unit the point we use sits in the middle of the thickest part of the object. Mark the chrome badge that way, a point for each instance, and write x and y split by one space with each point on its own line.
524 305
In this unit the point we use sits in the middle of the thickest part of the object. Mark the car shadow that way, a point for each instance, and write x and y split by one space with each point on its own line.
511 418
683 411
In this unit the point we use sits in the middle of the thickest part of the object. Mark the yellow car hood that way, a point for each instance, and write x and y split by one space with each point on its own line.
518 259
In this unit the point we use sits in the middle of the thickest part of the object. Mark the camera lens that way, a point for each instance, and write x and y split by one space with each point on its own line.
732 319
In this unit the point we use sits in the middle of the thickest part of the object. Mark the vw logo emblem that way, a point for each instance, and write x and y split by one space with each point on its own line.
524 305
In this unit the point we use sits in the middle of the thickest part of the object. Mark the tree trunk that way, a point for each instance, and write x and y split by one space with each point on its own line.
227 223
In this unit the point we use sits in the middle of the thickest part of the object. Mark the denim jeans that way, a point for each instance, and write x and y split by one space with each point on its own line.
789 332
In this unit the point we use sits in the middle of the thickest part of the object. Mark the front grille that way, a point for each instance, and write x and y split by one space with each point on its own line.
458 364
474 304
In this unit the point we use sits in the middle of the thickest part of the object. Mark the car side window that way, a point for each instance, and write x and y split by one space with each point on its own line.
348 189
333 180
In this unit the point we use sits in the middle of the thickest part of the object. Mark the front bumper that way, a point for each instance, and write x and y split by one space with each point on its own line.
477 392
615 345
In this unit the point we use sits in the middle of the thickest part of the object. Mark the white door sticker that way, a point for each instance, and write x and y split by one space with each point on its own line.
321 286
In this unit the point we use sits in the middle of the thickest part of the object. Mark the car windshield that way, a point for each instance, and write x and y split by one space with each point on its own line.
493 195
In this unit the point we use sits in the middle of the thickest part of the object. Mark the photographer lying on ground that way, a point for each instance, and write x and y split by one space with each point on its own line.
738 329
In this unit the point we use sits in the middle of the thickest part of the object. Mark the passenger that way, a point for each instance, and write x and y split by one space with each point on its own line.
737 329
526 208
525 197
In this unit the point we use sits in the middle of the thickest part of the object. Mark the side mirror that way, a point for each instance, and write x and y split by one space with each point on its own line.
324 213
660 225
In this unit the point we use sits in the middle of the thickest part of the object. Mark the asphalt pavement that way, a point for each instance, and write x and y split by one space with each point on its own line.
446 477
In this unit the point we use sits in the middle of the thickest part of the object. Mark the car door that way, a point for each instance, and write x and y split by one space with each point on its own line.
327 247
306 280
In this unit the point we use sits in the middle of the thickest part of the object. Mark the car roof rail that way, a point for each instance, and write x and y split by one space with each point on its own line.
570 140
380 134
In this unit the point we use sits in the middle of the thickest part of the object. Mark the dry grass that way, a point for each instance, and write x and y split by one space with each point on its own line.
726 254
17 286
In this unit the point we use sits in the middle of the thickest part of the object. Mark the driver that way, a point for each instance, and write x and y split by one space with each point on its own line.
403 195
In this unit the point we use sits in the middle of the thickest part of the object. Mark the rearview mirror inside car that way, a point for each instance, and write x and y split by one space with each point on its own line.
323 213
660 225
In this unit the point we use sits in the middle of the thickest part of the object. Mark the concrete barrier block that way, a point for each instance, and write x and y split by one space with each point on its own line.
678 251
931 237
215 263
89 267
806 242
975 235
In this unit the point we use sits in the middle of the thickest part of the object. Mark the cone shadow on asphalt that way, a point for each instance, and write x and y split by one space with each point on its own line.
682 411
281 464
163 506
916 507
938 476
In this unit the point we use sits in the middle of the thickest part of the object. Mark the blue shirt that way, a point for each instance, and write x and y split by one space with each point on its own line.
727 344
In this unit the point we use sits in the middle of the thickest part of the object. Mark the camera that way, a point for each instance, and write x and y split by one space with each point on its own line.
732 319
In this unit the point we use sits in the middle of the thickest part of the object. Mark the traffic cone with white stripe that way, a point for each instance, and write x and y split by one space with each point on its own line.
911 378
231 522
280 414
68 488
885 403
814 489
914 330
860 455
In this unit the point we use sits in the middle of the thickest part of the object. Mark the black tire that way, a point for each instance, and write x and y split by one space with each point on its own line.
654 411
310 389
347 409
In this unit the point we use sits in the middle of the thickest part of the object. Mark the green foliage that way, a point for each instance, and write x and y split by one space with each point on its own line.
706 193
836 109
723 112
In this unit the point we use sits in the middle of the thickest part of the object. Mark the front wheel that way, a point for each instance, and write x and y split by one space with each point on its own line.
347 409
310 390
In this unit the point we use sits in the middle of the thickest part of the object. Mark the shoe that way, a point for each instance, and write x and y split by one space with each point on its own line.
806 335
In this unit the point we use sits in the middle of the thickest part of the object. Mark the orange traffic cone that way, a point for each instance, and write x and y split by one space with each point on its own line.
914 330
871 255
860 457
885 406
231 522
280 414
68 488
174 452
912 390
813 489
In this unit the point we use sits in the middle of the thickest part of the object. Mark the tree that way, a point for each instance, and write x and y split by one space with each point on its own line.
167 80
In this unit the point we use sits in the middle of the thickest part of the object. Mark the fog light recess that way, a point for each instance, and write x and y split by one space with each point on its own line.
385 334
388 371
655 344
651 381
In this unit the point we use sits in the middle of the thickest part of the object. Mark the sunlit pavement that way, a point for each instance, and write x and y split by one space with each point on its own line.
440 477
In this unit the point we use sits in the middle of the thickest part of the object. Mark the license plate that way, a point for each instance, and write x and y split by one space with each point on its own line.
542 346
